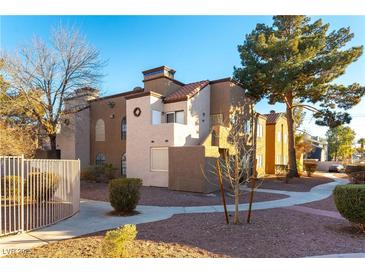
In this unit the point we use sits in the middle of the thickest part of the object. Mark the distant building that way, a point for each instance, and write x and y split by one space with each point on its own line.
320 148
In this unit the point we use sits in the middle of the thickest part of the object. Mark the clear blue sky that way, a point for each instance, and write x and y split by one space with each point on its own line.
198 47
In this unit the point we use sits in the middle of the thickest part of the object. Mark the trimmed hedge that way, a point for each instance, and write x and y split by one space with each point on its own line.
99 173
350 202
310 168
45 185
124 193
354 168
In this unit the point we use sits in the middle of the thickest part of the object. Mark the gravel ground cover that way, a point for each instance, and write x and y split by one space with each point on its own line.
302 184
273 233
164 197
90 247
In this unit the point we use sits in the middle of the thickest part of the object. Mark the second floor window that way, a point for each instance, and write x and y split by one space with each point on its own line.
123 128
175 117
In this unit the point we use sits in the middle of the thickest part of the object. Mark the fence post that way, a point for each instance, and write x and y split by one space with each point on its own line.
22 193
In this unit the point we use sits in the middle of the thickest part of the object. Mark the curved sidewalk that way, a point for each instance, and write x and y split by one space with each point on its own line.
93 216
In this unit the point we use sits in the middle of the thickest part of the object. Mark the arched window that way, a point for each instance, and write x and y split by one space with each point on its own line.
123 165
100 159
100 130
123 128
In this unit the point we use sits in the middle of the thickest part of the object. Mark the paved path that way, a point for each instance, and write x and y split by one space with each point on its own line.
93 216
344 255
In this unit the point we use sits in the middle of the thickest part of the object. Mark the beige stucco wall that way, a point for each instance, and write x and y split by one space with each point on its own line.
141 136
74 139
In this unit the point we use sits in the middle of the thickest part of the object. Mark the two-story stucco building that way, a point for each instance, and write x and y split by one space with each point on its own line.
166 133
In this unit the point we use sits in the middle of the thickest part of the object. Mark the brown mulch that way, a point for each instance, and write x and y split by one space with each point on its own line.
302 184
157 196
90 247
273 233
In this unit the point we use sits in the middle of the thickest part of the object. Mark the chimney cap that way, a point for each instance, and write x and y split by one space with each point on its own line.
158 70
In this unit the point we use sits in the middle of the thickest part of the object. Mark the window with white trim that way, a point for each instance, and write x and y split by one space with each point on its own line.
156 117
259 130
175 117
159 159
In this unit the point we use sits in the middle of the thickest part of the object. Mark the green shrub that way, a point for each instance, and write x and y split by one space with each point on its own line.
310 168
124 193
44 185
350 202
11 184
354 168
116 242
99 173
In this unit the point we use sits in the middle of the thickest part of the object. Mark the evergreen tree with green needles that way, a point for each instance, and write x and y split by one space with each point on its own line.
294 62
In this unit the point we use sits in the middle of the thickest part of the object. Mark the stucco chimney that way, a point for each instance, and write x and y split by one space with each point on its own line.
158 72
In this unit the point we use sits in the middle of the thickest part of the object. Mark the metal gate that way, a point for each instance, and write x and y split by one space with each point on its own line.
37 192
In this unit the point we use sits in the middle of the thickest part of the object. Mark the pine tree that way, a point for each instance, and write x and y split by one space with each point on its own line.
295 60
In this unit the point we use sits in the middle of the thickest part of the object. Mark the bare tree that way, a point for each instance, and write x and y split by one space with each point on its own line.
54 70
237 163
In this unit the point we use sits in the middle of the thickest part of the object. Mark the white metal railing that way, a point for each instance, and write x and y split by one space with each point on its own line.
37 192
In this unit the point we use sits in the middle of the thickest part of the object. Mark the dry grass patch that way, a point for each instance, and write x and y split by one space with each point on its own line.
90 247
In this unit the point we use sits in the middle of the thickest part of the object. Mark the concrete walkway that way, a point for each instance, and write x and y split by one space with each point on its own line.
344 255
93 216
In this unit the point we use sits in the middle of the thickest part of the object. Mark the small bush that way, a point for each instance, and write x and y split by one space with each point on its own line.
350 202
12 187
354 168
44 185
310 168
116 242
124 193
99 173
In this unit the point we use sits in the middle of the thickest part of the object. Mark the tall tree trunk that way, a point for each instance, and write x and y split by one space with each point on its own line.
293 171
52 140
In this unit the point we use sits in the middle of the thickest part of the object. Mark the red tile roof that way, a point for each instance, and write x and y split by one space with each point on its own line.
273 117
185 92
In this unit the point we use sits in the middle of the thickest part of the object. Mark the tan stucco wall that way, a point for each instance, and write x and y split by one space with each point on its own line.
190 170
74 139
113 147
162 86
225 96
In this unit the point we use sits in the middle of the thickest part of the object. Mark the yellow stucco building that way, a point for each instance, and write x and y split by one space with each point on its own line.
276 141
